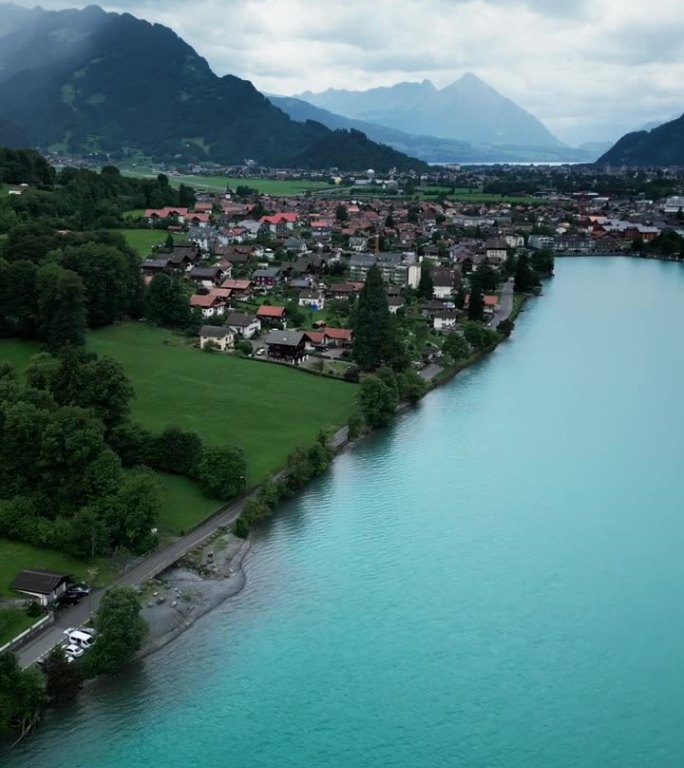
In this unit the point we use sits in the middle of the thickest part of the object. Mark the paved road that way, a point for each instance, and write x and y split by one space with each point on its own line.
506 306
142 572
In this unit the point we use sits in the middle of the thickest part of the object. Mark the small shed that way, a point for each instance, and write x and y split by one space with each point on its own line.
40 584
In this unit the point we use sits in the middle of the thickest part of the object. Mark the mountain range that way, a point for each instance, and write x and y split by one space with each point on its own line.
431 148
468 110
663 145
89 81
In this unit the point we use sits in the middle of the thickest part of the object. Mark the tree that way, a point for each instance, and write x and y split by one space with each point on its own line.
169 243
63 679
476 303
543 261
176 451
167 303
139 505
426 285
222 472
61 307
22 695
120 632
478 336
341 213
486 277
372 325
526 278
456 347
377 401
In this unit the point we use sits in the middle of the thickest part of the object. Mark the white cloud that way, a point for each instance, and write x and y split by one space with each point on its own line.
590 69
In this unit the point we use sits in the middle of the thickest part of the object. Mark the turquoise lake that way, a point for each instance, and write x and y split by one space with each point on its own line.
495 581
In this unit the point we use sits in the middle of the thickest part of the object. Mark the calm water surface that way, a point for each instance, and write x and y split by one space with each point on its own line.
497 581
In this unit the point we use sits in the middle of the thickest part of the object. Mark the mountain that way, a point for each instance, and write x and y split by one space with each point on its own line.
430 148
468 110
663 145
89 81
13 136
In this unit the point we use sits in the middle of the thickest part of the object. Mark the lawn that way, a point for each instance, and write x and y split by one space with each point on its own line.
13 621
15 557
265 409
143 239
185 506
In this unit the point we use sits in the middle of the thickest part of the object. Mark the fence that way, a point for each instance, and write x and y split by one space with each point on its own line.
27 634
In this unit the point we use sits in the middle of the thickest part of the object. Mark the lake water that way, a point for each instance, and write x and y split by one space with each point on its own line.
495 581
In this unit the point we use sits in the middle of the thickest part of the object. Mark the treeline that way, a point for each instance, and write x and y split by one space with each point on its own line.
80 198
668 244
25 166
53 287
74 471
302 465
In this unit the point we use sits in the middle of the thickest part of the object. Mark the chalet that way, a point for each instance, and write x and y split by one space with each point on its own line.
288 346
155 214
294 245
155 266
445 320
44 586
246 326
210 305
444 282
345 290
272 316
206 276
266 278
198 219
219 336
300 283
491 304
339 337
279 222
312 299
239 288
496 251
311 264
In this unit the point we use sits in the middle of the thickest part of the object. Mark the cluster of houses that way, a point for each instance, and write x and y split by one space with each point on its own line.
314 250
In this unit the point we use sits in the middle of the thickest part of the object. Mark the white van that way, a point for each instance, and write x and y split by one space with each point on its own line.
83 639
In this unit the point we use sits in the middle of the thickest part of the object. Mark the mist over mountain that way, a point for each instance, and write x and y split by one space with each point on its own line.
90 81
468 110
663 145
431 148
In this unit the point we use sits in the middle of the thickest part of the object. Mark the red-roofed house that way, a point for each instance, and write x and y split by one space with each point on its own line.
339 337
272 316
166 213
211 306
238 287
279 222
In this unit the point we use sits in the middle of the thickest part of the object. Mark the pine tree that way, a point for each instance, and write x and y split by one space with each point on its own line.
426 285
372 327
476 303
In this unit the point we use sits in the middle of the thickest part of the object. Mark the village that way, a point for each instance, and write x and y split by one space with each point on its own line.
276 277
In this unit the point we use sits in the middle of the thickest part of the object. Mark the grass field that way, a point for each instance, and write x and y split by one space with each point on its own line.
221 183
265 409
143 239
185 506
15 557
13 621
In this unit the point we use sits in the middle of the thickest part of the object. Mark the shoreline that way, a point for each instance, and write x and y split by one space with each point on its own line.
208 576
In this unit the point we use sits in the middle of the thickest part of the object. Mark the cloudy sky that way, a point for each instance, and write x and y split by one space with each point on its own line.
590 69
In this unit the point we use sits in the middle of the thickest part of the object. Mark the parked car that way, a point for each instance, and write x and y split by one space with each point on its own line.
82 639
261 351
64 600
81 589
75 651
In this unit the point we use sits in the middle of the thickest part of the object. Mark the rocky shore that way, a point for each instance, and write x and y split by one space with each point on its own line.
195 585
